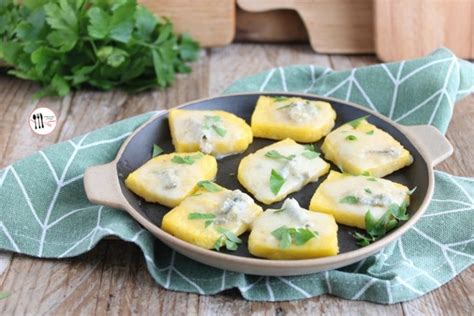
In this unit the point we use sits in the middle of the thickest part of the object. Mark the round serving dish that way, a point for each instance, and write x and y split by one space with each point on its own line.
104 184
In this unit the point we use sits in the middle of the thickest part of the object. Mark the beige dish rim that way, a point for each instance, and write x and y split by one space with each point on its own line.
339 259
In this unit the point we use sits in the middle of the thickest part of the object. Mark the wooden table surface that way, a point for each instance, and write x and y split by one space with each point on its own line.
112 278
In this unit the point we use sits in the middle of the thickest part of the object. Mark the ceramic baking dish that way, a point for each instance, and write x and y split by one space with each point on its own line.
104 184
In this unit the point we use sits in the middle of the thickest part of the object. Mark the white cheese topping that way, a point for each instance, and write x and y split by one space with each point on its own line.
168 178
235 208
365 151
297 172
375 199
295 168
205 145
374 195
301 111
390 151
292 209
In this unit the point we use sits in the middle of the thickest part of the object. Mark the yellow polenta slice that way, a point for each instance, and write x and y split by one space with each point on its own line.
359 147
349 197
293 233
296 118
273 172
168 179
212 217
217 133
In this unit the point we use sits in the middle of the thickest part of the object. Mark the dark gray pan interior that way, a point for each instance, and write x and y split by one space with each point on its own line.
138 151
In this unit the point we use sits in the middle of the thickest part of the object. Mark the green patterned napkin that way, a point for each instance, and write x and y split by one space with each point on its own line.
47 214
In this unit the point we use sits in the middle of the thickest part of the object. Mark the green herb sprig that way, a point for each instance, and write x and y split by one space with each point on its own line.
280 98
375 229
276 181
212 122
187 160
349 199
355 123
274 154
310 152
157 150
209 217
228 238
66 45
209 186
298 236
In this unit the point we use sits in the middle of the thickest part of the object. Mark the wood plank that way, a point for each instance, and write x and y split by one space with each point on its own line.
333 26
413 28
53 286
270 26
225 68
211 27
460 134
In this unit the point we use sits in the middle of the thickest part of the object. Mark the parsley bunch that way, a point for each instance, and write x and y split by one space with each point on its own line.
375 229
67 44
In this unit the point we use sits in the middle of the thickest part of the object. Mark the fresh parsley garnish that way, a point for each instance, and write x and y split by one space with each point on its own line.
310 152
370 132
298 236
276 182
65 45
273 154
368 190
351 137
375 229
280 98
355 123
187 160
365 174
209 217
228 238
157 150
372 179
349 199
209 186
201 216
399 211
213 122
286 106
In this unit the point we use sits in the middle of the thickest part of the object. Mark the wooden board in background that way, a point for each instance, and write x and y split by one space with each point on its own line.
333 26
270 26
211 22
413 28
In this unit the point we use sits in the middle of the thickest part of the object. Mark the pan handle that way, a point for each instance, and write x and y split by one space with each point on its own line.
434 144
102 186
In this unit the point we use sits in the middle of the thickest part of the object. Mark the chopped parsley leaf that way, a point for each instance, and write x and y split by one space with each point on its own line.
157 150
276 182
355 123
209 186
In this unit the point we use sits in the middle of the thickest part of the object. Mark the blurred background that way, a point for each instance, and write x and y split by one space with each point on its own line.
393 30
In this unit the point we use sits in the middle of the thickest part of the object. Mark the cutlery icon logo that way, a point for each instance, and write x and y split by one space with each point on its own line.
42 121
